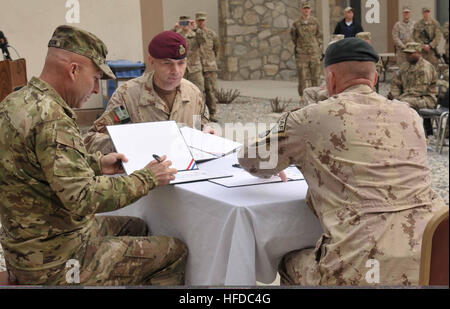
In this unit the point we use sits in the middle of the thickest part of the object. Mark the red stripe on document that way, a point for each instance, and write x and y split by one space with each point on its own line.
190 164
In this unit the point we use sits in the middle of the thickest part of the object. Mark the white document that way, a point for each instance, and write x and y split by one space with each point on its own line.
200 156
209 143
139 141
242 178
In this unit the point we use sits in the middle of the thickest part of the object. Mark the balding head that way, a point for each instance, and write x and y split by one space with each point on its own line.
342 75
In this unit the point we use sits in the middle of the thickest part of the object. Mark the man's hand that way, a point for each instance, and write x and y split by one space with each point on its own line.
111 163
163 173
208 129
427 48
283 176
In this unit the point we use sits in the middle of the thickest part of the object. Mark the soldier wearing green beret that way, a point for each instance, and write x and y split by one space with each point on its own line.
51 187
364 159
416 82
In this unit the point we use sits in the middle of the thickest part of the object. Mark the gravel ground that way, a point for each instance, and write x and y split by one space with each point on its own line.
249 110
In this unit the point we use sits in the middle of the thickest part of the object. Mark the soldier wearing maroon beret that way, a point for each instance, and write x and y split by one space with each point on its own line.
159 95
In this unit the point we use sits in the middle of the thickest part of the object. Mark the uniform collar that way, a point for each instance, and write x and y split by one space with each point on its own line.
364 89
48 90
181 91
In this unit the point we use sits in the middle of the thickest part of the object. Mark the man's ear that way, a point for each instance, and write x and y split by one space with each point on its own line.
331 83
73 70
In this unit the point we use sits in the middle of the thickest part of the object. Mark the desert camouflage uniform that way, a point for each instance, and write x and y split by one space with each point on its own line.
434 31
402 33
194 63
308 41
209 54
143 104
50 190
416 84
364 159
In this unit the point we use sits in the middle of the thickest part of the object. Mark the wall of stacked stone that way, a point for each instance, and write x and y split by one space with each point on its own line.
255 37
256 42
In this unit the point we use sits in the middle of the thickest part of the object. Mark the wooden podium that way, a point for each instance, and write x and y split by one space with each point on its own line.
13 75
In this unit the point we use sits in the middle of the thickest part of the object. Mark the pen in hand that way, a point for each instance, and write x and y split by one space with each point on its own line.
157 158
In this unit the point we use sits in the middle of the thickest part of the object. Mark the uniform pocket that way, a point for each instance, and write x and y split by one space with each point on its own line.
70 158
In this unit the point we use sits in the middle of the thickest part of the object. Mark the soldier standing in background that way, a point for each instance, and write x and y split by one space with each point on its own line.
194 69
402 33
445 33
308 40
428 32
209 54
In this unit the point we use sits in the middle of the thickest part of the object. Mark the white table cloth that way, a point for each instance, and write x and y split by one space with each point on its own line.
235 236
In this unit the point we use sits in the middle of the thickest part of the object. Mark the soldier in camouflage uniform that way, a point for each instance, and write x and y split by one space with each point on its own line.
194 69
416 82
209 54
428 32
314 95
308 40
445 33
364 159
159 95
402 33
51 187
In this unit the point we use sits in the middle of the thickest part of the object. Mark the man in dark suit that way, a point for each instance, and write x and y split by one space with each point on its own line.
347 26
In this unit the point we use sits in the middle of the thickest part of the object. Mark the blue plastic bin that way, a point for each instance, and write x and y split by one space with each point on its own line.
124 70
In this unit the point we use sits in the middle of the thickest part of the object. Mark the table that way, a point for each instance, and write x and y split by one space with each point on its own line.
235 236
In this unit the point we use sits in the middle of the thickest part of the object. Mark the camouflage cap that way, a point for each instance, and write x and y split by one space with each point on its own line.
200 16
364 36
306 5
406 9
412 47
84 43
426 9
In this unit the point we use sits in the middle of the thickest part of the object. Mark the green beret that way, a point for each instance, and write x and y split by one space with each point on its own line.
350 49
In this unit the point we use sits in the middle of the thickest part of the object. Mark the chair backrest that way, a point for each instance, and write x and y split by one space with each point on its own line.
13 74
434 259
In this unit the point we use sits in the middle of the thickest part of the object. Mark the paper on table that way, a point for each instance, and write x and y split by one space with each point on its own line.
139 141
201 155
242 178
209 143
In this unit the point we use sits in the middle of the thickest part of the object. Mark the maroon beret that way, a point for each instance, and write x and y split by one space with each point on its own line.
168 44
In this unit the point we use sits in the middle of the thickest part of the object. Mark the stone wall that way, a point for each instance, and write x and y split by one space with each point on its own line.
255 37
256 42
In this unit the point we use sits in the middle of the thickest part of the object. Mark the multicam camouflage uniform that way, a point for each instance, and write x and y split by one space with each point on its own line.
50 190
433 28
364 159
308 40
209 54
194 67
143 104
314 95
416 84
445 33
402 33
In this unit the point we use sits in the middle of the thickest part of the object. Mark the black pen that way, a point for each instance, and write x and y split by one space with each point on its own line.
157 158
